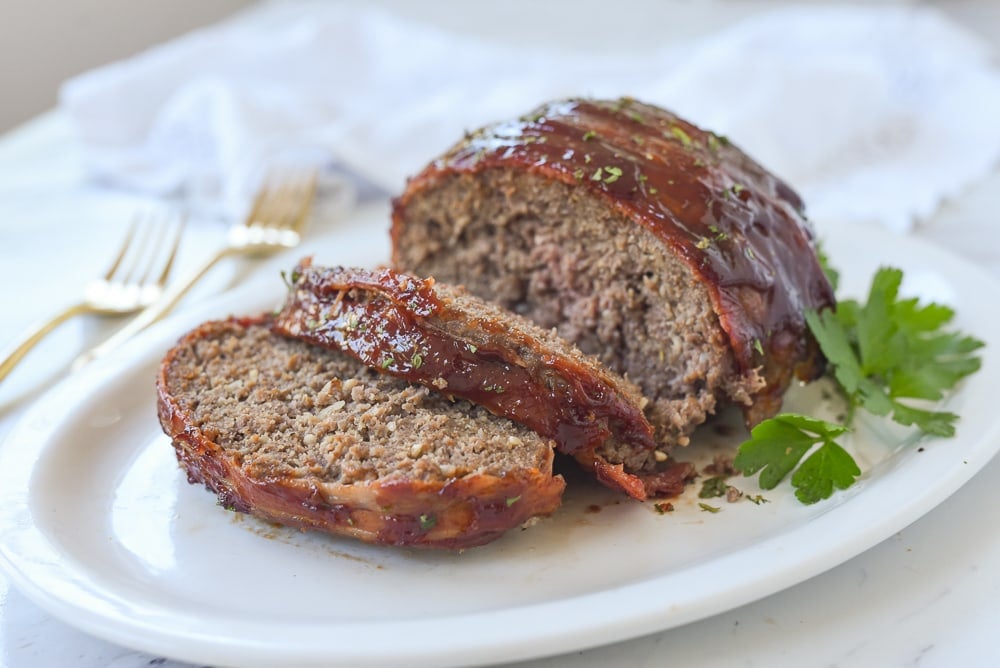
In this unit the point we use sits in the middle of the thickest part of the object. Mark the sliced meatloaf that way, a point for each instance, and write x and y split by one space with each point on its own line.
441 337
312 438
658 247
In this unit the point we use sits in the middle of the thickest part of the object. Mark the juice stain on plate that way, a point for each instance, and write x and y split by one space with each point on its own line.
297 538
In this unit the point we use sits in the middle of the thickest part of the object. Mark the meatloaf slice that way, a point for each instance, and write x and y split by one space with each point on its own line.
659 248
309 437
457 344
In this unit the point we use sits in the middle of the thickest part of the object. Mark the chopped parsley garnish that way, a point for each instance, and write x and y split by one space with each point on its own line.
416 361
713 487
719 235
614 173
679 134
427 522
512 500
588 135
709 509
883 354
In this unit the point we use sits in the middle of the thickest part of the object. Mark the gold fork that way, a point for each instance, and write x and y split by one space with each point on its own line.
275 222
135 280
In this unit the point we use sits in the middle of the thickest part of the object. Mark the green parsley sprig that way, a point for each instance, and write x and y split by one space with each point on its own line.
883 354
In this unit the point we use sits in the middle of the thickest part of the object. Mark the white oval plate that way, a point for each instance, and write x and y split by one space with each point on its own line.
100 527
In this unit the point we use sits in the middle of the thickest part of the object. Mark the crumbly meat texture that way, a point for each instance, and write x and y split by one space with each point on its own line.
312 438
442 337
560 257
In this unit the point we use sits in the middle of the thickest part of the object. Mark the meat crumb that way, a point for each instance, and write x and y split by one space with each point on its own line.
663 508
722 465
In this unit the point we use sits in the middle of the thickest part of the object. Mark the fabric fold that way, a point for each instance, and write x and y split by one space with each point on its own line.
846 103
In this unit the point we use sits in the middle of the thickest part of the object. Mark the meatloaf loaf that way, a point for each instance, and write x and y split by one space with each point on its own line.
309 437
441 337
656 246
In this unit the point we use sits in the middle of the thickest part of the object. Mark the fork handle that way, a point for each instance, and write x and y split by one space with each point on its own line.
16 351
152 313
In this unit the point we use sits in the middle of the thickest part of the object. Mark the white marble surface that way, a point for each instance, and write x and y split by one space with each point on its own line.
928 596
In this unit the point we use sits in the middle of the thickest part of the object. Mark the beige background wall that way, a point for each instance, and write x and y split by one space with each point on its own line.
43 42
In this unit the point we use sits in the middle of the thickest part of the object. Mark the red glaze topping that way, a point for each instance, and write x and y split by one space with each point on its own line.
396 324
738 227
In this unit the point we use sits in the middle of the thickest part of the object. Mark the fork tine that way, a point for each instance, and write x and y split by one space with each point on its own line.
124 250
260 202
275 202
309 194
153 232
300 201
159 231
168 267
284 200
142 252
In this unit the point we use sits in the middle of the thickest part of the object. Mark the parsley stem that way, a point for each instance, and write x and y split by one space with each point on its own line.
852 405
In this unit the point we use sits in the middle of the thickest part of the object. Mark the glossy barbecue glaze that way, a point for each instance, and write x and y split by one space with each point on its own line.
740 229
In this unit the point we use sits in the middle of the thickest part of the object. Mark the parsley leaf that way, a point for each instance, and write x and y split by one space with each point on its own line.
828 467
778 445
884 354
889 350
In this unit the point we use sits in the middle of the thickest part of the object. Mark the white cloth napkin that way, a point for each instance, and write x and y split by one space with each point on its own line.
872 113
